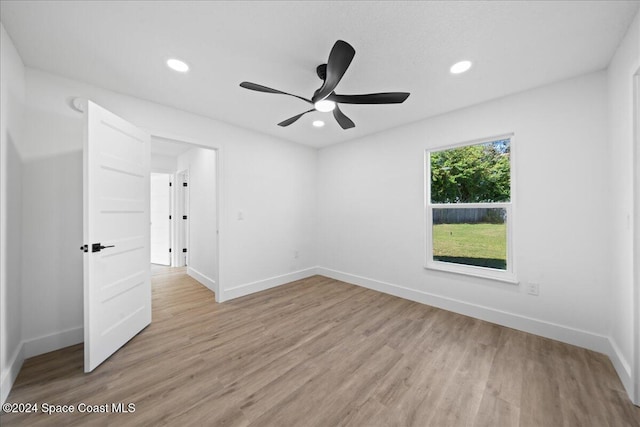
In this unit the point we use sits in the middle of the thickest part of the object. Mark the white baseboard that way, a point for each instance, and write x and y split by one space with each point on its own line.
35 347
272 282
52 342
205 280
622 367
566 334
10 375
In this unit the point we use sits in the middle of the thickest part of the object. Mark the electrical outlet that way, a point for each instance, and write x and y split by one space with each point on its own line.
532 288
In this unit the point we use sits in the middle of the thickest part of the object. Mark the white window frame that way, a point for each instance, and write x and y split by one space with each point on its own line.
508 275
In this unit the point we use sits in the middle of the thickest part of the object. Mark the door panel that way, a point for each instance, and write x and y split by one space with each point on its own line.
117 285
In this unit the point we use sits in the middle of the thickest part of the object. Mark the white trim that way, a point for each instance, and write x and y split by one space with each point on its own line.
496 205
621 365
36 347
11 373
498 137
567 334
52 342
272 282
473 270
202 278
634 393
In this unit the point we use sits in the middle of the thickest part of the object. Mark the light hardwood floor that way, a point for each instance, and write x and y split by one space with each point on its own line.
319 352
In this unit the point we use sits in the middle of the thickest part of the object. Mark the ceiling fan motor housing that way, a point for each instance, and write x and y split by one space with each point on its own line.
321 70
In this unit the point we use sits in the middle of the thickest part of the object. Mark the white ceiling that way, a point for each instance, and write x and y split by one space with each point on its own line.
400 46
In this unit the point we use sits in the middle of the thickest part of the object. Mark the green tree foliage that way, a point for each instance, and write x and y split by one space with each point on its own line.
472 174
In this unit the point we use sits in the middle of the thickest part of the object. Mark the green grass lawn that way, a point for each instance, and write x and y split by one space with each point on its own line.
482 245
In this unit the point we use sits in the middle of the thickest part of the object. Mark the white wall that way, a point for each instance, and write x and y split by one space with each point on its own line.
163 164
12 98
202 214
160 213
371 211
52 261
276 191
625 63
271 179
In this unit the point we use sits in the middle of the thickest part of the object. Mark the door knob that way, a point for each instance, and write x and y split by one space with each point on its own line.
97 247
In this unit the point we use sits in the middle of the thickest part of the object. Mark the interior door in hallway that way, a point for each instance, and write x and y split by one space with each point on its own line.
117 286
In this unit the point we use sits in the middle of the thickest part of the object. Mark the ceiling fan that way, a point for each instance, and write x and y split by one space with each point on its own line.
325 99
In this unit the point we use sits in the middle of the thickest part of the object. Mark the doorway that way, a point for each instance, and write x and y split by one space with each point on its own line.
192 170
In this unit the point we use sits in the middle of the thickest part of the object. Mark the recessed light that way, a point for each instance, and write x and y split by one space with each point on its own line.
318 123
177 65
460 67
325 106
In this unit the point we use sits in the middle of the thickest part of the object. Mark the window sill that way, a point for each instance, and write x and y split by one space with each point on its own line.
481 272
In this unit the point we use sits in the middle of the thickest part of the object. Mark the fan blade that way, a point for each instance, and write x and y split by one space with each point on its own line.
339 59
260 88
371 98
294 118
344 121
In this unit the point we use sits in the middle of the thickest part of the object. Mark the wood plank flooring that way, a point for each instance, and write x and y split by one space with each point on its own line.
319 352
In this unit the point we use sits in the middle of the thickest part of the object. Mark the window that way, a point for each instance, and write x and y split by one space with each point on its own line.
469 196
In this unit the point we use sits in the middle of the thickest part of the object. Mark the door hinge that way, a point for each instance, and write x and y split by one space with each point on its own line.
184 217
169 250
184 250
184 184
169 216
170 184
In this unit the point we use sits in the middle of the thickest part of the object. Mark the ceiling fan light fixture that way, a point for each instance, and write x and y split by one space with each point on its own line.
460 67
177 65
325 106
331 73
318 123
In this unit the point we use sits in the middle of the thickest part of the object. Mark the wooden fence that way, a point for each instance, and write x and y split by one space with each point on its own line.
469 216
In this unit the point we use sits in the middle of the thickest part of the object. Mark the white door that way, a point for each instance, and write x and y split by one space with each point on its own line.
117 284
160 222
